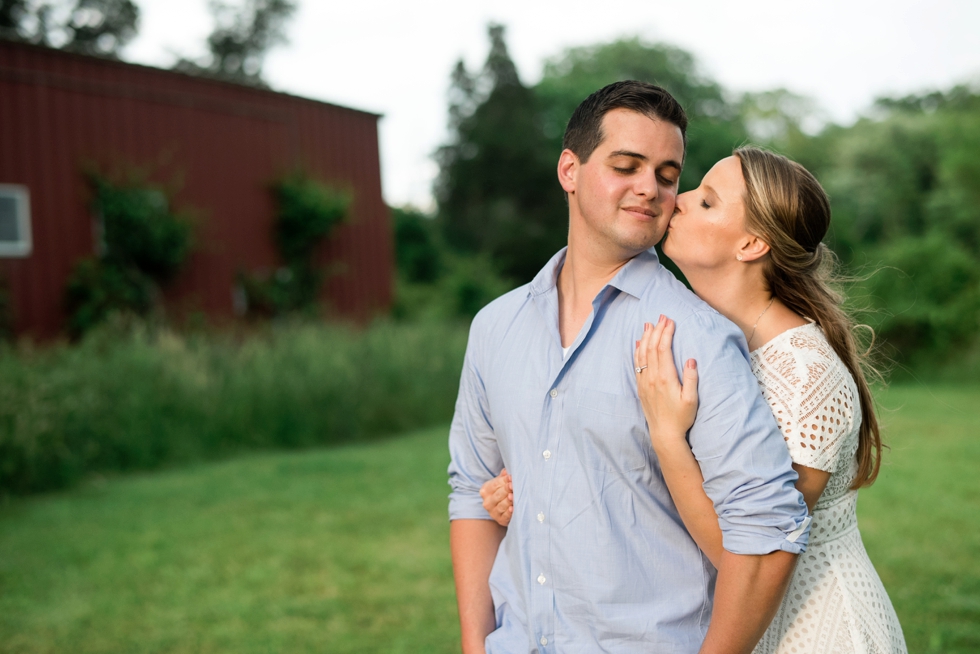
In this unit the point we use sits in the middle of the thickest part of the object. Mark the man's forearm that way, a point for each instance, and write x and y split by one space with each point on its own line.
747 596
474 545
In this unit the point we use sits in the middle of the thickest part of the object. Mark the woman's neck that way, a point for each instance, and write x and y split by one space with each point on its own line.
739 293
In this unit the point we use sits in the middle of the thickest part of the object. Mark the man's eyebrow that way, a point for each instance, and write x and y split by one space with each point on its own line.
670 163
627 153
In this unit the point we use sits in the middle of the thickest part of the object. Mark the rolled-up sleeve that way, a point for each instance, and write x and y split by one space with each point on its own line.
747 469
475 456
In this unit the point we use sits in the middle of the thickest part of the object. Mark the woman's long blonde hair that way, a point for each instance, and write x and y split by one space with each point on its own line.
788 209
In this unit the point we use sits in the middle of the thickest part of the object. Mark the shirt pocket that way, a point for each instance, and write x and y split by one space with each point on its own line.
609 431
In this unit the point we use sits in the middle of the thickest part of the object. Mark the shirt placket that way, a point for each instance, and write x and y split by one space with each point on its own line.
542 571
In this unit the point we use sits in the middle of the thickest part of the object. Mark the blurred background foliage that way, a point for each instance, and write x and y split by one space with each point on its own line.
307 212
142 245
93 27
904 181
138 390
134 396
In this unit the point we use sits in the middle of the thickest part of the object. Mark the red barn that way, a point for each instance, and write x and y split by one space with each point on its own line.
61 112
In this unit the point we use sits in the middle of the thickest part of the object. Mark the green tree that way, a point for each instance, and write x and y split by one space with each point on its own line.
13 15
905 187
715 124
241 39
497 191
94 27
417 252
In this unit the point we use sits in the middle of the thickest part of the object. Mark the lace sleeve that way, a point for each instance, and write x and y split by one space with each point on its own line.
812 396
824 436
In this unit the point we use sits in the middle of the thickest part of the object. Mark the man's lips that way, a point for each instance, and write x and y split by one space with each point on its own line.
641 212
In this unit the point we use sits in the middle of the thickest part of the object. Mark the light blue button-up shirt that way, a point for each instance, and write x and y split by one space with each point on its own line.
596 557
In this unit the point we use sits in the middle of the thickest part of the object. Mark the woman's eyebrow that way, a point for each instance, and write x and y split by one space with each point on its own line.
713 192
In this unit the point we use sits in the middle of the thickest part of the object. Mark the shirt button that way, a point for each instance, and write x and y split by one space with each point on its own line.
543 641
540 517
554 392
546 454
541 579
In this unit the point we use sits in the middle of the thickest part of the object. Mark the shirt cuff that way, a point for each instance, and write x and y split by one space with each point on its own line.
741 541
466 506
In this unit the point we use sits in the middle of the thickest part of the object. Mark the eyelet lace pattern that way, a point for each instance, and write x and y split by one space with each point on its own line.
835 603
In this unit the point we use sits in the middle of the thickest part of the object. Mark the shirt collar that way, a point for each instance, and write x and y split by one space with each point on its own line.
633 278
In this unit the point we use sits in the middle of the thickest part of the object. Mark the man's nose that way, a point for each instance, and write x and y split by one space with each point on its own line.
646 186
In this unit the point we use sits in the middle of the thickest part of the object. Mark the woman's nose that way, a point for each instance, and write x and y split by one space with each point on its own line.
680 205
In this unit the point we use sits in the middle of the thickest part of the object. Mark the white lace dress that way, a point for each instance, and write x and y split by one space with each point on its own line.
835 602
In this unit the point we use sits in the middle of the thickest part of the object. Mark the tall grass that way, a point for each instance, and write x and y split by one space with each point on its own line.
146 398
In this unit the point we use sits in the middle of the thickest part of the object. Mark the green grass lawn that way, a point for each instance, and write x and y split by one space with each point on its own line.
346 549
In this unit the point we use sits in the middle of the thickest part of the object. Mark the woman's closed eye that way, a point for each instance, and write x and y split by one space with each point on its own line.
704 203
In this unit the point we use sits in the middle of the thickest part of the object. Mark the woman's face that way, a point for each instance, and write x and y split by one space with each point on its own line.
708 225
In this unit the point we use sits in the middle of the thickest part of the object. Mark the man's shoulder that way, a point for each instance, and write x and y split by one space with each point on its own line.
500 311
699 325
684 305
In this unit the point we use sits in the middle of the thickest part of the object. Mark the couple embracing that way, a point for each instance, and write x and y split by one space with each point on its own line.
619 482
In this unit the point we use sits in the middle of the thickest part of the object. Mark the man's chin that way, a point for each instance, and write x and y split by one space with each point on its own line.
639 244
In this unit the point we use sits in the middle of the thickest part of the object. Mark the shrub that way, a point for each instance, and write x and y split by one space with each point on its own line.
142 398
308 210
144 245
97 289
139 229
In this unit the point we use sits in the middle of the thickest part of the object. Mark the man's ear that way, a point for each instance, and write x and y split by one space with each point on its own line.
568 165
752 248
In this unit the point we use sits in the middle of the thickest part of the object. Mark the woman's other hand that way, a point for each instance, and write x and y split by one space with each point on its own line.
669 405
498 497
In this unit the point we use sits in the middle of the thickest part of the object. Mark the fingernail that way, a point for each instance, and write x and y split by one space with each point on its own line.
661 319
646 326
692 364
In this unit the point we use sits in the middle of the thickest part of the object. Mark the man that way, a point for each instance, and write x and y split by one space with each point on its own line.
596 557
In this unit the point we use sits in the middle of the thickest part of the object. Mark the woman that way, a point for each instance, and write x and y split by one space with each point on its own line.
749 242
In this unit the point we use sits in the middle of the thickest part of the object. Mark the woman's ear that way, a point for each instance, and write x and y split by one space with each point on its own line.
568 165
752 248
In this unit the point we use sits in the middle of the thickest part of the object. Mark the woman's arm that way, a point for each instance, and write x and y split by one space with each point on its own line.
811 483
670 409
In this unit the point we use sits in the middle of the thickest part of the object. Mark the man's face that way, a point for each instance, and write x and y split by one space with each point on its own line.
623 196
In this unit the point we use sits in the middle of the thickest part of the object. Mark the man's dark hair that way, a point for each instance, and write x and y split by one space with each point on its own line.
584 131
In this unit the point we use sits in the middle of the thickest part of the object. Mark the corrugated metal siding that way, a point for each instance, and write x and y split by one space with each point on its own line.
61 112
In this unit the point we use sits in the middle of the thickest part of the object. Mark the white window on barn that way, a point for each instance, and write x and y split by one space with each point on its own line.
15 221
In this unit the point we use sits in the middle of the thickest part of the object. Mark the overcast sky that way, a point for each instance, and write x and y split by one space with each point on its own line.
395 58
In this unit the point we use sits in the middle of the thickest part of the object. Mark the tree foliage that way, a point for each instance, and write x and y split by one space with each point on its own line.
241 39
94 27
905 187
497 190
715 128
904 180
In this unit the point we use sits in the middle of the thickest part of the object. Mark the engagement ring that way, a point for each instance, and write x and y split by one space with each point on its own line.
640 369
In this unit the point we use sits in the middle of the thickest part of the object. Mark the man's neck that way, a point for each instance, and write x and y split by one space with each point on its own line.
584 273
